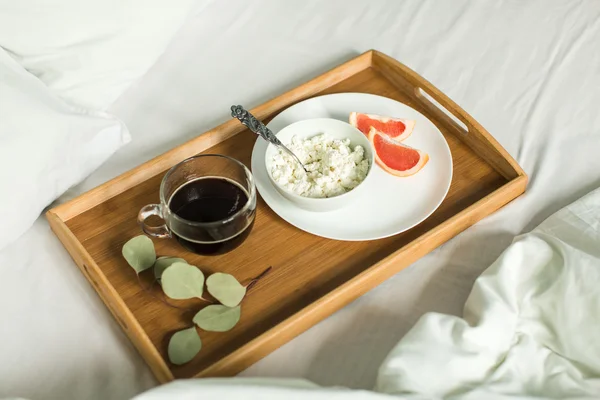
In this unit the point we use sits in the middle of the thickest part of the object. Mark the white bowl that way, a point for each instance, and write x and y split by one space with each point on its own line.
336 129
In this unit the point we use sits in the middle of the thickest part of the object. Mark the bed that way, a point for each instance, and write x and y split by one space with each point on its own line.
529 72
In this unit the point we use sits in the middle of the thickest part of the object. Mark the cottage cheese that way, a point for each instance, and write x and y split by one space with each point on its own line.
333 167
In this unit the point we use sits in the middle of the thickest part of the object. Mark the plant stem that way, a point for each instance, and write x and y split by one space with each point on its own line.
255 280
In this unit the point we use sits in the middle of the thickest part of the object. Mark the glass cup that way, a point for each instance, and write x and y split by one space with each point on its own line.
207 203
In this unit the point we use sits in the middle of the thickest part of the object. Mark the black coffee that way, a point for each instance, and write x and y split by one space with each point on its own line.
210 200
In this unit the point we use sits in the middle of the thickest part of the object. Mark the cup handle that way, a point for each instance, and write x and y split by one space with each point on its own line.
161 231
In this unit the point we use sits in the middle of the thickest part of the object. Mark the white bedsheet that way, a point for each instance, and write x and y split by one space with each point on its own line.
528 71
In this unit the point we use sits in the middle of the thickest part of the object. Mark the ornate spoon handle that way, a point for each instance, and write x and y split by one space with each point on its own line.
254 124
260 129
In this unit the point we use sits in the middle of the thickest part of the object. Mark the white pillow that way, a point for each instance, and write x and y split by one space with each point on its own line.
46 146
89 52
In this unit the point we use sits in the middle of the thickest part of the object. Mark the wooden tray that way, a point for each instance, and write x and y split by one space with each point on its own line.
312 277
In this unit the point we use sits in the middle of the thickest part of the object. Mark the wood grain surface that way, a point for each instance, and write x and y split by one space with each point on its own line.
311 277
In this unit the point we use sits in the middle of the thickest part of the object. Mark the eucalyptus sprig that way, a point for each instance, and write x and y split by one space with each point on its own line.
163 263
181 281
139 253
217 318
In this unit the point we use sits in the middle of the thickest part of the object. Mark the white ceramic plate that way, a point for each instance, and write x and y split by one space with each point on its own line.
393 204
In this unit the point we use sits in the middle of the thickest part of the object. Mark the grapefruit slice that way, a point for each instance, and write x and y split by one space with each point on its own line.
396 128
394 157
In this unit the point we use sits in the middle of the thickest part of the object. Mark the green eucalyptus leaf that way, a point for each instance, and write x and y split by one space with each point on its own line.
139 253
217 318
226 289
163 263
182 281
184 345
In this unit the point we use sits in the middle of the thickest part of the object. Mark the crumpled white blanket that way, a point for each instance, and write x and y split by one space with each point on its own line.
530 329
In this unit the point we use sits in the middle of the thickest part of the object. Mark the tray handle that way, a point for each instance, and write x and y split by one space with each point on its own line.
427 98
448 114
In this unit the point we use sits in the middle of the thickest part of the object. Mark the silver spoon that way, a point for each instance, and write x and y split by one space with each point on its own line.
260 129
